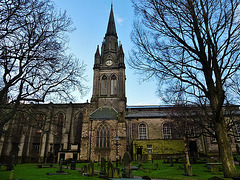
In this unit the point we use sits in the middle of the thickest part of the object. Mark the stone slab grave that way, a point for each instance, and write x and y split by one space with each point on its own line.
60 172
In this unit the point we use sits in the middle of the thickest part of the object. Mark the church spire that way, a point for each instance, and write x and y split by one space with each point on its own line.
111 29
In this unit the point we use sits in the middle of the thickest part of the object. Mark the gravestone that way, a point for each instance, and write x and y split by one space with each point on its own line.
127 173
214 169
85 170
103 173
73 165
147 170
116 173
110 169
120 160
81 170
60 172
99 162
91 168
171 161
139 159
156 167
60 167
152 160
140 167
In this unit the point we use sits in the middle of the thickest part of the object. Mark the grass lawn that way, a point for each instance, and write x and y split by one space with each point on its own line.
31 171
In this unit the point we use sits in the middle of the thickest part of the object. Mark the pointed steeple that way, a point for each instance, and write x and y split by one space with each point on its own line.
111 29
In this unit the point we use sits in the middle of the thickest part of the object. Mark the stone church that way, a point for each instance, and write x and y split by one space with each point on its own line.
105 127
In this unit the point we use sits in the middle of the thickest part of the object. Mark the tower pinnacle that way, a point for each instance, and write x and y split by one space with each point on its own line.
111 29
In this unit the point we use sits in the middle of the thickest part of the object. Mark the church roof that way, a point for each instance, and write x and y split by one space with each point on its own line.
104 113
111 29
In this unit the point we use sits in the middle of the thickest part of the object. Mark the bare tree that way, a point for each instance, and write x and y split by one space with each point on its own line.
193 46
34 65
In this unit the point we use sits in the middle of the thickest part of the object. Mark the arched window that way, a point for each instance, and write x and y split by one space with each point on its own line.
103 136
104 85
167 131
113 85
142 129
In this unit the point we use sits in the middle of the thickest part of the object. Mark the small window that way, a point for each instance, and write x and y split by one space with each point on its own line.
149 149
167 131
142 131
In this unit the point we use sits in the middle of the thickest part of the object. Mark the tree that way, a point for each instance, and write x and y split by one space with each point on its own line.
192 47
34 65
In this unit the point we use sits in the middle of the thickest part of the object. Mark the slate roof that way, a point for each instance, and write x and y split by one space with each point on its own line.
145 114
104 113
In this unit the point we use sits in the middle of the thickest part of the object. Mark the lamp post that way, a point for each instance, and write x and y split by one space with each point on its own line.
117 144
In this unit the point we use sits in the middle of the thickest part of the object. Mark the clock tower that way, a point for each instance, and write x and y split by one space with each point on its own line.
109 71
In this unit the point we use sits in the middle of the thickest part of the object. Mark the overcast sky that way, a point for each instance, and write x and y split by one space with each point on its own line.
90 17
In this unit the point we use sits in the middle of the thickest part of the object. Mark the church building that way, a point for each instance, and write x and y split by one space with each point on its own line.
105 127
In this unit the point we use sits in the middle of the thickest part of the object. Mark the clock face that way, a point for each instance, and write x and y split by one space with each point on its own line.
109 62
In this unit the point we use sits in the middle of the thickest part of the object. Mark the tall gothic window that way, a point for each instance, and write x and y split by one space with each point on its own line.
113 85
142 129
103 136
104 85
167 131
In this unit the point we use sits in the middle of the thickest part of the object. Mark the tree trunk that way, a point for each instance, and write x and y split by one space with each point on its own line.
188 168
225 150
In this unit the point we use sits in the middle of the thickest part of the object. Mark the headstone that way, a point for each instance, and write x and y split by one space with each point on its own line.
99 162
120 160
110 169
85 169
73 165
147 170
91 168
152 160
127 165
81 170
103 173
116 173
103 164
139 158
214 169
88 169
171 161
140 167
156 167
60 167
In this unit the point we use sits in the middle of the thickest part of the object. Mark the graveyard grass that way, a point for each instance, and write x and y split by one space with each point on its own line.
31 171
